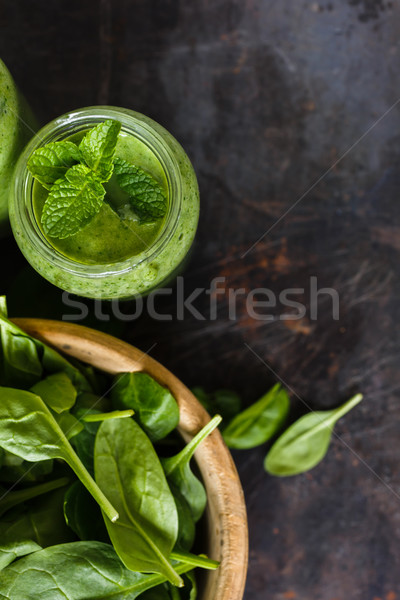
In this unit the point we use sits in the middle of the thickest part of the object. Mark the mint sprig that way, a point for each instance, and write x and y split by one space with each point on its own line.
98 148
72 203
75 175
146 195
51 162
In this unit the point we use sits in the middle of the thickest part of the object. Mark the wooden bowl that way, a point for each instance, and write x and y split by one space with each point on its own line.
226 512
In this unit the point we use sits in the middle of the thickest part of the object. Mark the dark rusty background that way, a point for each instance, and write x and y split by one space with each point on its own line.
270 98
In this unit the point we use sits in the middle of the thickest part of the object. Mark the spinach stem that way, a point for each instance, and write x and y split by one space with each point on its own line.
171 463
194 560
92 487
115 414
10 499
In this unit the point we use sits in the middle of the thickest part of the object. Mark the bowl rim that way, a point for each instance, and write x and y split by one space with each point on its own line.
228 540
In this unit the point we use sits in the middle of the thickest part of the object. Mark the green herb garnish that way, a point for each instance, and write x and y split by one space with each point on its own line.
51 162
146 196
74 176
72 203
98 148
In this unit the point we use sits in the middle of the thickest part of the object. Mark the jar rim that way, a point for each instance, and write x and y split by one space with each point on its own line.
132 123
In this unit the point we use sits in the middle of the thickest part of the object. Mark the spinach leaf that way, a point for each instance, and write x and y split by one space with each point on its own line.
174 593
3 307
128 470
16 468
99 381
187 527
178 471
29 430
226 403
170 592
156 410
304 444
56 391
161 592
190 590
259 422
90 420
91 401
76 571
41 521
82 514
69 424
21 366
85 440
51 361
9 499
10 550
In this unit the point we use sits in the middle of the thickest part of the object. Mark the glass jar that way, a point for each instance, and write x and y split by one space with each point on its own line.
139 274
17 125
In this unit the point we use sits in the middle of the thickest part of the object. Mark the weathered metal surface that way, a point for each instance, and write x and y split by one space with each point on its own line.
274 101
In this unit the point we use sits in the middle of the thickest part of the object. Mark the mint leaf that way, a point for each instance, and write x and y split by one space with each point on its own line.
51 162
98 147
72 202
146 195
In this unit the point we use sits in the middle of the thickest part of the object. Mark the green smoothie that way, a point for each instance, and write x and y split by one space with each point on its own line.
116 255
115 234
16 127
